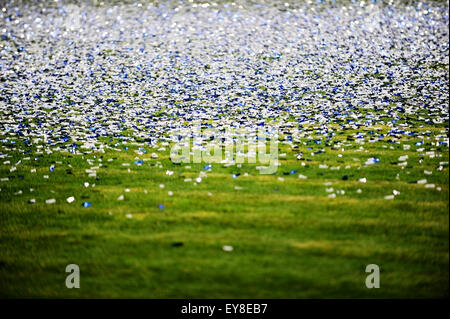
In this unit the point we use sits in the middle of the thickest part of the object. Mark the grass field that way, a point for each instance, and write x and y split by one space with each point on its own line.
289 238
93 95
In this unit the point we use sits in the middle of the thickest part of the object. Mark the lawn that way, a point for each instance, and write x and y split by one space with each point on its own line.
290 239
94 94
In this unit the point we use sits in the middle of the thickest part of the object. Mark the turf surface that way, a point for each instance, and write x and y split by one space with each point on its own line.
289 238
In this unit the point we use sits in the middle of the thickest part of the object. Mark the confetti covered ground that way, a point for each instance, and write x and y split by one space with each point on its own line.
93 95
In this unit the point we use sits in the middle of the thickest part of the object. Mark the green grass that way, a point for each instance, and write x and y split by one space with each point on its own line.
290 239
